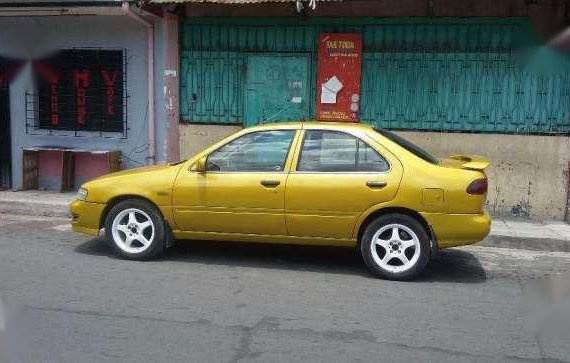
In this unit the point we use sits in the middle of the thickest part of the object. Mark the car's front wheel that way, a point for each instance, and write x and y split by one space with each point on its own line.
395 246
135 230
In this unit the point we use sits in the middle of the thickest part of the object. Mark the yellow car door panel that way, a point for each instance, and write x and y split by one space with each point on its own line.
242 190
338 177
230 203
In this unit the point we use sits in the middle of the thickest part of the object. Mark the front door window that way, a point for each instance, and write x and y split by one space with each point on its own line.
263 151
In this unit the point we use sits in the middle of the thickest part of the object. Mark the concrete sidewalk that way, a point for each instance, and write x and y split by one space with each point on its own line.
532 235
526 229
36 202
529 235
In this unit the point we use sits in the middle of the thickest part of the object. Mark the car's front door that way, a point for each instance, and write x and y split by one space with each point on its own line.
242 190
337 177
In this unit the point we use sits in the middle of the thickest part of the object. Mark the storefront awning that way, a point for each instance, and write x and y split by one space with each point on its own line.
229 1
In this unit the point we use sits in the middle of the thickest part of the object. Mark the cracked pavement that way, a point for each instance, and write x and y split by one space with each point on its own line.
67 298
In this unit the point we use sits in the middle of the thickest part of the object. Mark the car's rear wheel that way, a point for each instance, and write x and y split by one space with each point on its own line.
395 246
135 230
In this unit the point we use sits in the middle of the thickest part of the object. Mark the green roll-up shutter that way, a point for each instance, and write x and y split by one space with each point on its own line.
418 74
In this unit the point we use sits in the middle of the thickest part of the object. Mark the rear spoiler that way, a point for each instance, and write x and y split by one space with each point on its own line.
472 162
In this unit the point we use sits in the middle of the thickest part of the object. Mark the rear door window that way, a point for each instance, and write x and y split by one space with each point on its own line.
333 151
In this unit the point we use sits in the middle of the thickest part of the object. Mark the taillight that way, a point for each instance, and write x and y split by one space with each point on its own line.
478 187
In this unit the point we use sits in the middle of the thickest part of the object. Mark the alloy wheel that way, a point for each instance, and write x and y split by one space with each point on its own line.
395 248
133 230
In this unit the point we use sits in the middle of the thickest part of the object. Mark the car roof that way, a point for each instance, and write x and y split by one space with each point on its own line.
311 124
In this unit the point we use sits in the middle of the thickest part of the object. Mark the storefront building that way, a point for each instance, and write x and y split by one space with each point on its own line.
89 97
456 77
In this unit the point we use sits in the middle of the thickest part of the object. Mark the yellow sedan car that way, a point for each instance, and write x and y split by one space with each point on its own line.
313 183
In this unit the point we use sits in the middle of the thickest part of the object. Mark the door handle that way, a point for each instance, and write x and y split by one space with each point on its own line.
376 184
270 183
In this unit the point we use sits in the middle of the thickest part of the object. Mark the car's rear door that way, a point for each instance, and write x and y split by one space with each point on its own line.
336 177
242 190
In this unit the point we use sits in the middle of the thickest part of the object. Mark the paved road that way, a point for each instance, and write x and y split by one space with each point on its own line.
67 299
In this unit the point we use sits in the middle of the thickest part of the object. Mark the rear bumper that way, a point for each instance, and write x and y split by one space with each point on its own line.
453 230
86 217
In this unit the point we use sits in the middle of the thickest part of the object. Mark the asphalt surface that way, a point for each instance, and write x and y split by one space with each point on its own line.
64 297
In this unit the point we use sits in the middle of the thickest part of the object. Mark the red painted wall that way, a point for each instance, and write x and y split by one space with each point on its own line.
49 164
89 166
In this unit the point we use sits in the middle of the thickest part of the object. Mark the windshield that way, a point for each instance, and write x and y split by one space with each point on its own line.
413 148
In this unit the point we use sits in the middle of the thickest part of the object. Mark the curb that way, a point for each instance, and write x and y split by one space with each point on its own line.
526 243
34 209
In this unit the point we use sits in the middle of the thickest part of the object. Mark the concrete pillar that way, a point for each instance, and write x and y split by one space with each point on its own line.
567 215
171 86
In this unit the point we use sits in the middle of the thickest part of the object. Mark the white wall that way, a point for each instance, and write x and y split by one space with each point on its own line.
31 37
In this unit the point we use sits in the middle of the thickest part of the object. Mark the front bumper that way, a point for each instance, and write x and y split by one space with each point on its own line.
453 230
86 216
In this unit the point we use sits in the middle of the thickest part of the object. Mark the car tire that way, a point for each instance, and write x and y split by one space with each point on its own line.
135 230
395 247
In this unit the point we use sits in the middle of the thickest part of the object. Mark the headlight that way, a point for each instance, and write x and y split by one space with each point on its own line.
82 194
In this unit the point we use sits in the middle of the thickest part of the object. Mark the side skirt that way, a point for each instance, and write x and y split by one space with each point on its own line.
238 237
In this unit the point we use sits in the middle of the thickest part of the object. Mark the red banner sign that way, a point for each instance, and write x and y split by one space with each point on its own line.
338 80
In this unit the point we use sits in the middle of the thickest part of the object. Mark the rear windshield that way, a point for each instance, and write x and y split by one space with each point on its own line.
413 148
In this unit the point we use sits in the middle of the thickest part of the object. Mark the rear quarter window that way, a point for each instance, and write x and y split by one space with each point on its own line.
409 146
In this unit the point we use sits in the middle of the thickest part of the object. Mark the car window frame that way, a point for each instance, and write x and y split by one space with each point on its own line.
295 167
292 145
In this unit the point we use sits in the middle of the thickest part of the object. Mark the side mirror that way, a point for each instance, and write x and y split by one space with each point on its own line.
200 165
